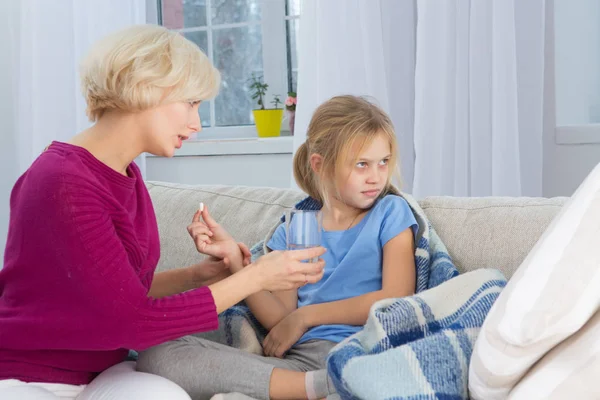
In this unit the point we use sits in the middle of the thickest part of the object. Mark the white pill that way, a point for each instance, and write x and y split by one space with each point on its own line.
201 207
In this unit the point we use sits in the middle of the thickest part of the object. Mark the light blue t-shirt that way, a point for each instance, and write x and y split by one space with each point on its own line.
353 261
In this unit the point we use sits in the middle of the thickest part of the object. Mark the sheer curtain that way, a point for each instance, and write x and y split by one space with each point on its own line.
41 43
361 47
479 89
462 81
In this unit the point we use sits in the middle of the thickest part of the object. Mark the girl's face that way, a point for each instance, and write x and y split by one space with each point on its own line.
362 179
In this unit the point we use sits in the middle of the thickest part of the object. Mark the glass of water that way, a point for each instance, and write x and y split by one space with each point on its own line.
303 229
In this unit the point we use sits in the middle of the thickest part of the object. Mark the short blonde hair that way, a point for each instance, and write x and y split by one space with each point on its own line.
144 66
335 128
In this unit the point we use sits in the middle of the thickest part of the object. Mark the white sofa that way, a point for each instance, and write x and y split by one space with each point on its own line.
492 232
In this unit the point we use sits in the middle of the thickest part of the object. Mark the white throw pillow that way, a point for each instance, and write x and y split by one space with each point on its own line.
552 295
569 371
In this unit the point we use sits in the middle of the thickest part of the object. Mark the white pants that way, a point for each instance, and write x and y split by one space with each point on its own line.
121 381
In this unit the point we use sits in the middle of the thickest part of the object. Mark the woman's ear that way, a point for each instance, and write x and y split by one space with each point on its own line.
316 163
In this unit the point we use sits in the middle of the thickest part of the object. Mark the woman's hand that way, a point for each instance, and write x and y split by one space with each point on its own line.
213 270
279 270
213 240
285 270
209 271
246 255
284 335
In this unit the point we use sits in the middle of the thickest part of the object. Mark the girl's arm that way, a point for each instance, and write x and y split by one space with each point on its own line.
399 280
270 308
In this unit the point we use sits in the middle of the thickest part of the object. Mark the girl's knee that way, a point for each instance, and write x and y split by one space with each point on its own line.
158 360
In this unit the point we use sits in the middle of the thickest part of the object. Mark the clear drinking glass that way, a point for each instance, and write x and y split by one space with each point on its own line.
303 229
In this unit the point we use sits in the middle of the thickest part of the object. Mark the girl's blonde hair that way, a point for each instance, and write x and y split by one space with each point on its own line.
336 126
144 66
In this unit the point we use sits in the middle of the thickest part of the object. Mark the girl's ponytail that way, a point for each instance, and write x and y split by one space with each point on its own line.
303 173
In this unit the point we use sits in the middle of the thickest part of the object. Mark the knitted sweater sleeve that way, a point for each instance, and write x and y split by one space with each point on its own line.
108 299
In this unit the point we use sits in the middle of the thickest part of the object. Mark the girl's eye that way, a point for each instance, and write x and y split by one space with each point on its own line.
194 103
361 164
384 162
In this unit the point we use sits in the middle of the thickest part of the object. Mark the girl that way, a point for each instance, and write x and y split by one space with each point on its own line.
346 164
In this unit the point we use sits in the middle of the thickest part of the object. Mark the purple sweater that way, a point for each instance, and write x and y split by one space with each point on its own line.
81 252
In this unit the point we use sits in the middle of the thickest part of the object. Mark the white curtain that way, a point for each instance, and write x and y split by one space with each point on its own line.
41 43
462 81
479 93
360 47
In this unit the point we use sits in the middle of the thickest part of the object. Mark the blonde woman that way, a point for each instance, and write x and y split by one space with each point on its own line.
79 287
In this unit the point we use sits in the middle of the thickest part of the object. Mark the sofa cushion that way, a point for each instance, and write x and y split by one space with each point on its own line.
490 232
246 213
554 292
568 371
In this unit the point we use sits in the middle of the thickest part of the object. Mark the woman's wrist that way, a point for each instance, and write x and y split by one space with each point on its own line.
236 288
197 273
253 276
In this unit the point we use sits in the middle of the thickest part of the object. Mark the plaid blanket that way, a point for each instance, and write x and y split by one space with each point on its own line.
419 347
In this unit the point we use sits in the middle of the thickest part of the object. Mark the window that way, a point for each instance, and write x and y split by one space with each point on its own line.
241 37
577 71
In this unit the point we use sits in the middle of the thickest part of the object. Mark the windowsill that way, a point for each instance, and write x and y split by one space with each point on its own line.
240 146
578 134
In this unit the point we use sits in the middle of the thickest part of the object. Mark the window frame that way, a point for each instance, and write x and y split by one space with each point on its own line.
274 57
565 134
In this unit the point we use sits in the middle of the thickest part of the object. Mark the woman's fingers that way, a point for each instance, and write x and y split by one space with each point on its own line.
195 225
201 235
201 232
246 255
284 270
306 254
202 240
206 217
309 268
245 250
196 217
313 278
200 229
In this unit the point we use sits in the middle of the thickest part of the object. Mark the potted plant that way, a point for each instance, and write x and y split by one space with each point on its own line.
268 121
290 106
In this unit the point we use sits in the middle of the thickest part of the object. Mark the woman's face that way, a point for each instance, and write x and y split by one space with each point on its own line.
166 127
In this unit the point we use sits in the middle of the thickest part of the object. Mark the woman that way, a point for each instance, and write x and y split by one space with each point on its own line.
78 286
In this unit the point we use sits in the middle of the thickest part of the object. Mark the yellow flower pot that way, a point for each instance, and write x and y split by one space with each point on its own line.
268 122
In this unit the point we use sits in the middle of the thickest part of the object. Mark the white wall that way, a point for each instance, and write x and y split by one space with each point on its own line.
577 61
9 12
565 167
574 65
270 170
